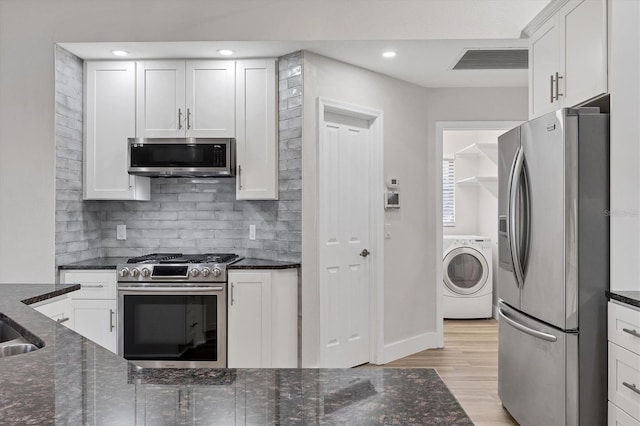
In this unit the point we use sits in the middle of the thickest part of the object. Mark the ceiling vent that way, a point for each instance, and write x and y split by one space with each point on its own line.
494 59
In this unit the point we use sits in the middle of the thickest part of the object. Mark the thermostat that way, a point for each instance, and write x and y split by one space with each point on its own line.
393 183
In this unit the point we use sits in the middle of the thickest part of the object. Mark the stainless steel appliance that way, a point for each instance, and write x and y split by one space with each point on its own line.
553 268
182 157
172 310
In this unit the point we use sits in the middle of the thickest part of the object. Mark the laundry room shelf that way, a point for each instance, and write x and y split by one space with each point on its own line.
490 183
489 150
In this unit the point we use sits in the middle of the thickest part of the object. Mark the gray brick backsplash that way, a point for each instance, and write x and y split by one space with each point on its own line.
187 215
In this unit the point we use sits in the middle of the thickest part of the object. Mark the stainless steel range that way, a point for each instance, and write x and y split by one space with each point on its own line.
172 310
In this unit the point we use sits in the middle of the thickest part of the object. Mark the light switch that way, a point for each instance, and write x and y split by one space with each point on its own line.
252 232
387 231
121 232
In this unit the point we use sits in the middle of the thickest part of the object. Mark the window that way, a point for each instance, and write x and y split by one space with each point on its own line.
448 192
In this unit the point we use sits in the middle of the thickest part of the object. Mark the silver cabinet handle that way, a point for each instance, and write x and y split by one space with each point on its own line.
111 326
530 331
92 285
61 320
633 387
188 119
558 94
631 332
551 86
179 118
231 295
240 176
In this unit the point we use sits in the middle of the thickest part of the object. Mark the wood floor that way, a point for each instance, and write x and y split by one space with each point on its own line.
468 364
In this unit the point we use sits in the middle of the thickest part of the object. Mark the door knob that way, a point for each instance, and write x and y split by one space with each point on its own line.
365 253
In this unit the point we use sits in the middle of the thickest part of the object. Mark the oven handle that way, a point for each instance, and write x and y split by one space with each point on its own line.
171 289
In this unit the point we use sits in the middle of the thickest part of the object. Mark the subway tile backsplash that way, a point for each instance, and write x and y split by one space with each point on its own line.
184 214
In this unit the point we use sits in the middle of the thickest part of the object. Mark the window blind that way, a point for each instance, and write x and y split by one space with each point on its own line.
448 192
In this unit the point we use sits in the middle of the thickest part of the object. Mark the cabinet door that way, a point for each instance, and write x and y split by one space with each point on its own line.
544 62
58 309
584 24
160 108
96 320
284 318
210 99
249 320
256 131
110 99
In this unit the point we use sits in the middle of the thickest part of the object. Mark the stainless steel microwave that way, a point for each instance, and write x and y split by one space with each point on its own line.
182 157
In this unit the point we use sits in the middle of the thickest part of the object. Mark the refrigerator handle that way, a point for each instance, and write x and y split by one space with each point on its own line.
530 331
514 184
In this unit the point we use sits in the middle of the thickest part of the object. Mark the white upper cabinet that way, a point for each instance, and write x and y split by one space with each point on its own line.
256 130
185 99
210 99
568 57
110 100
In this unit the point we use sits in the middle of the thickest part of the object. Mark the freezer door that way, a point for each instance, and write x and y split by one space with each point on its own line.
537 370
544 292
508 148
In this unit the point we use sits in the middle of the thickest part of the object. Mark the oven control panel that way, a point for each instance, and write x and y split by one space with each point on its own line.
172 273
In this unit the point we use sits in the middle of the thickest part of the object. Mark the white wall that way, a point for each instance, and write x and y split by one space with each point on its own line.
409 305
624 85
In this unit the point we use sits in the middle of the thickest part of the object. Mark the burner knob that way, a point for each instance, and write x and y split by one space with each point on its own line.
206 272
124 272
145 272
216 272
135 272
194 272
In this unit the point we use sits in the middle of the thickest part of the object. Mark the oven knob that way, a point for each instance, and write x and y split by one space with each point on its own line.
145 272
206 272
216 272
124 272
135 272
194 272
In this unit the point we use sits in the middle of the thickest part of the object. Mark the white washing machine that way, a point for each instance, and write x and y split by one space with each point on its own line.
467 276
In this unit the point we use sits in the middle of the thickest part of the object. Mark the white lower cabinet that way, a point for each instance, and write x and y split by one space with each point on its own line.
96 320
262 318
94 306
57 308
624 365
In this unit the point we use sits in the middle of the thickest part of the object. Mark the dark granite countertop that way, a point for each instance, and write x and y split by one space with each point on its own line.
97 263
246 263
71 380
253 263
629 297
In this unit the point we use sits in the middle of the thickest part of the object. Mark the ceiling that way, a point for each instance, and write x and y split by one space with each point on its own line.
426 62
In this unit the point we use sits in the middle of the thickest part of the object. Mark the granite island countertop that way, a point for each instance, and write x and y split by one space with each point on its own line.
112 262
71 380
629 297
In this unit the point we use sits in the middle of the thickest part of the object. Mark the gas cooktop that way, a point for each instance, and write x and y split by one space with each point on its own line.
162 258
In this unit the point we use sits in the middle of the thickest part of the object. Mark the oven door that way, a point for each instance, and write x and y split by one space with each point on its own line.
173 326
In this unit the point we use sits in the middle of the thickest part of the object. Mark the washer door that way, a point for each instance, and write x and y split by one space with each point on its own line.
465 270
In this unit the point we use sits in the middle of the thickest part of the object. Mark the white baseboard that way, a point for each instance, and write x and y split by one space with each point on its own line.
410 346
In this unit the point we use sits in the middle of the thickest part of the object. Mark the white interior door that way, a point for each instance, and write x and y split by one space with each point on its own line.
345 155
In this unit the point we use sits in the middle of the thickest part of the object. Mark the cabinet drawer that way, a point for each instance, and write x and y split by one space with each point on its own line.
617 417
94 284
624 379
624 327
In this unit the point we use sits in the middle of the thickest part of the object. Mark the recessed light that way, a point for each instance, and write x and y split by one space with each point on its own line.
389 54
225 52
120 52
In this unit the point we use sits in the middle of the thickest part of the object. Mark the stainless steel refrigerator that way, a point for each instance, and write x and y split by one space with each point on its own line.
553 272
